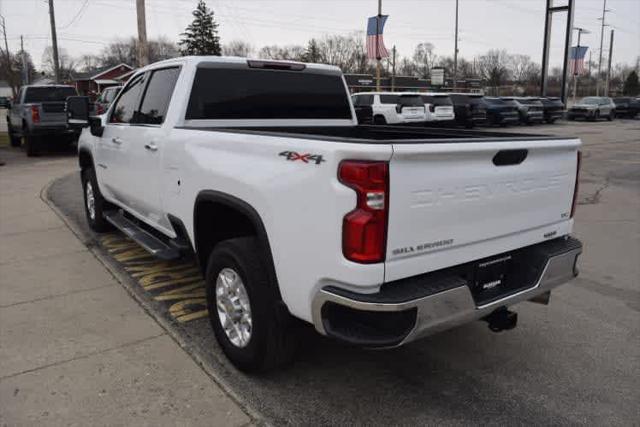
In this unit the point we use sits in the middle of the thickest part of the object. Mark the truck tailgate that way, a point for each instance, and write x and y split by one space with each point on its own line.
451 203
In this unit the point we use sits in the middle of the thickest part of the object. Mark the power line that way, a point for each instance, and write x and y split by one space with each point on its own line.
77 15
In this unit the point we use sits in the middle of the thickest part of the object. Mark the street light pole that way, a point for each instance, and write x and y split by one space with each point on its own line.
455 52
602 25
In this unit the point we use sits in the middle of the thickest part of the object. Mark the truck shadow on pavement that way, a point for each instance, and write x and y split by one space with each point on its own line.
466 375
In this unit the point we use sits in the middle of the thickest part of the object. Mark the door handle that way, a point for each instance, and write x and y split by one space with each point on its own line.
151 146
116 140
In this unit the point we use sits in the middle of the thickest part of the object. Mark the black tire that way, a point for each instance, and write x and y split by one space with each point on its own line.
97 222
272 339
14 139
379 120
31 145
596 116
611 116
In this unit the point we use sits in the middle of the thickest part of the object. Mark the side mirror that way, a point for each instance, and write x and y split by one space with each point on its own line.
78 111
95 125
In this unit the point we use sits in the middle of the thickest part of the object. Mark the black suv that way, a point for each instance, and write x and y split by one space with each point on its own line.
627 106
553 109
469 109
500 113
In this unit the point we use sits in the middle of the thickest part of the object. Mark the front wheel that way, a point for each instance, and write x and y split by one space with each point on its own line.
94 204
250 322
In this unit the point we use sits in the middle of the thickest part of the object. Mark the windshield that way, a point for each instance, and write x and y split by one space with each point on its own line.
109 94
590 100
495 101
436 100
48 94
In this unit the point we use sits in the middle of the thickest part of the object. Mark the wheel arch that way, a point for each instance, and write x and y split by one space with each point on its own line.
85 159
233 212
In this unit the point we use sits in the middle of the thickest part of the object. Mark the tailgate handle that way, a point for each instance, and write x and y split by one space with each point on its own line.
509 157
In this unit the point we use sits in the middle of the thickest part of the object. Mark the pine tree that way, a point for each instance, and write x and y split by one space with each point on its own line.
631 84
312 52
201 36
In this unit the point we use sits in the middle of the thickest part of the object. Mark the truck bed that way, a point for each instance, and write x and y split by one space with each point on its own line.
365 134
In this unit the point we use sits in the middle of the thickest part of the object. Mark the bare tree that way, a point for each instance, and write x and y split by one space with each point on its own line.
493 67
293 52
237 48
67 64
424 59
523 70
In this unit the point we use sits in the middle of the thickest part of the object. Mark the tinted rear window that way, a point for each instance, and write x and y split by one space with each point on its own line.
466 99
362 100
48 94
266 94
436 100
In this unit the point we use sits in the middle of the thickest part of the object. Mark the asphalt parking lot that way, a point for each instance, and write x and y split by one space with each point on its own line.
574 361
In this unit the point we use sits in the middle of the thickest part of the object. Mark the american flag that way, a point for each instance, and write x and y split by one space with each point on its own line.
375 43
576 59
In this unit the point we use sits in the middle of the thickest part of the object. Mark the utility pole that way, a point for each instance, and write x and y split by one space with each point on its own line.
377 45
7 55
602 25
575 73
25 71
606 87
393 70
54 43
455 52
143 47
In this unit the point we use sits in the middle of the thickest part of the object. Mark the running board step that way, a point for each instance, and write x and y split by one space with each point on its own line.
145 239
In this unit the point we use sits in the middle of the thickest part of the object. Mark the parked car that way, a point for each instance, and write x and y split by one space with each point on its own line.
500 113
553 109
5 102
105 99
38 116
363 108
393 107
593 108
530 110
438 107
375 235
627 106
469 109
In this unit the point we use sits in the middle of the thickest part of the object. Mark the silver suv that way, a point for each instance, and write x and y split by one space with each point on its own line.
593 108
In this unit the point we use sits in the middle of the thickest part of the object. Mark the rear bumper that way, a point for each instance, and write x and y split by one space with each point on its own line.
52 129
419 306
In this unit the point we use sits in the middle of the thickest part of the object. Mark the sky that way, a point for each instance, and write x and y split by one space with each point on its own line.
86 26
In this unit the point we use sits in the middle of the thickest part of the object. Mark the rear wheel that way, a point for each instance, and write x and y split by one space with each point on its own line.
250 322
31 145
94 204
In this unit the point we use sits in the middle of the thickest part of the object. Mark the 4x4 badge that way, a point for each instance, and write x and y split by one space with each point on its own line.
306 158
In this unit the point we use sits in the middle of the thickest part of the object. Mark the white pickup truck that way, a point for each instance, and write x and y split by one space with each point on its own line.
376 235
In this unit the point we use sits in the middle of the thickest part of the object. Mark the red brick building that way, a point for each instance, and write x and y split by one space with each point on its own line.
93 82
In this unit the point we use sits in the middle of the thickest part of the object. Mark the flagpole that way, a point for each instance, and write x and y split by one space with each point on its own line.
575 54
378 65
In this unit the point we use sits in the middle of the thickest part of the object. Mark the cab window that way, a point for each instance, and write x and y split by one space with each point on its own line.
157 96
127 103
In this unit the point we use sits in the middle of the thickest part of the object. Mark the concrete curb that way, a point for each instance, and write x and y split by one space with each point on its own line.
127 283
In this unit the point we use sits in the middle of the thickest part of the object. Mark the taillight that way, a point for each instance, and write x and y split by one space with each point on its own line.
35 114
575 188
364 229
